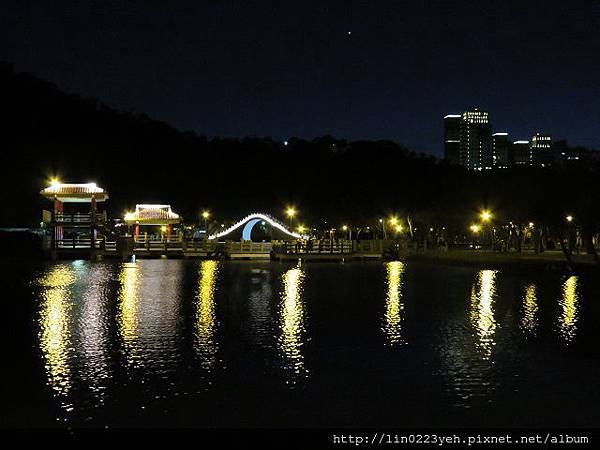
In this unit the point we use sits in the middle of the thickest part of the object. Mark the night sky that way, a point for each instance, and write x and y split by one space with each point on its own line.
356 70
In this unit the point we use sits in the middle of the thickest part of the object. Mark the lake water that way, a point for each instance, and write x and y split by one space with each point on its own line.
245 344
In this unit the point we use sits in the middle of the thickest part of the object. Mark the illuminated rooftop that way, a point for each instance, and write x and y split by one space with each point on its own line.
74 192
146 214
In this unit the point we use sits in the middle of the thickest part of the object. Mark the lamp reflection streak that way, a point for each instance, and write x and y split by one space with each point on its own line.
394 305
482 310
206 322
292 322
569 315
129 279
55 333
529 317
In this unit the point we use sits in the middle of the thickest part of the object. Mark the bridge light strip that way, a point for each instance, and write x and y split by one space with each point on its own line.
264 217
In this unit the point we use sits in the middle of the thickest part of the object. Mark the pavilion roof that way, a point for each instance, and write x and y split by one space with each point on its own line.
152 215
74 192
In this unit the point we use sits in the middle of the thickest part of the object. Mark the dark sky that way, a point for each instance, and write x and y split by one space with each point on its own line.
291 68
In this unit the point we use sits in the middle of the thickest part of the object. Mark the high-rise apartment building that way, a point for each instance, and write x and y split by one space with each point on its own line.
468 140
476 140
541 150
521 153
501 147
452 138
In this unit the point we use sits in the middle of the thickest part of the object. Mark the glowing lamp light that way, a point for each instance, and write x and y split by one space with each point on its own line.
345 227
394 220
399 229
301 229
486 215
54 182
531 224
290 212
205 214
163 229
474 228
569 218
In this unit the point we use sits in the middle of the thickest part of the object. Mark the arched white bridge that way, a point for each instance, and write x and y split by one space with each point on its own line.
252 219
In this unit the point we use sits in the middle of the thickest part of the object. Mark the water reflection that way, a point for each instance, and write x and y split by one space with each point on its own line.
129 279
55 333
259 306
206 322
292 323
569 315
394 305
529 315
482 310
93 330
149 317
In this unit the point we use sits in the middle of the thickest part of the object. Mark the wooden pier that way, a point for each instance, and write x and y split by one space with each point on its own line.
178 247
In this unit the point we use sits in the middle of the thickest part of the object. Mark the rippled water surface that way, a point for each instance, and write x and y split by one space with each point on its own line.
206 343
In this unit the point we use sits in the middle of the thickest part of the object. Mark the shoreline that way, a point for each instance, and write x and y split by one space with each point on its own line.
549 260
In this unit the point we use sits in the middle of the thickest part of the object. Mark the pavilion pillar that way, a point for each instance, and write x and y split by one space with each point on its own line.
58 229
93 207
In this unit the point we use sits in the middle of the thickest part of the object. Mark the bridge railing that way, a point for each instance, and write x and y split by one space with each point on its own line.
315 247
249 247
78 243
78 218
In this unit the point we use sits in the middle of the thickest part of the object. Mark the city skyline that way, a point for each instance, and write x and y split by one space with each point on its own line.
349 69
471 141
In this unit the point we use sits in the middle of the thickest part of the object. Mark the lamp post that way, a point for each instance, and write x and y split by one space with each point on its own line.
290 212
205 216
570 233
475 230
486 217
349 232
382 222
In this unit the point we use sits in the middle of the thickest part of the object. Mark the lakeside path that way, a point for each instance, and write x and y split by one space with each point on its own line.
525 260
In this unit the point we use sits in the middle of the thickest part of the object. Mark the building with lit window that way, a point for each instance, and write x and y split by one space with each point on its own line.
452 123
501 150
468 140
521 151
541 150
476 140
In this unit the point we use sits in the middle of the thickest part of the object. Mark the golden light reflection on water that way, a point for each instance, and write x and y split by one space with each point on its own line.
529 316
206 322
94 326
55 334
394 305
569 314
128 321
482 310
292 322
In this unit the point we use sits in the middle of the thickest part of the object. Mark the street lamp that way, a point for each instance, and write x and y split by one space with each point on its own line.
382 222
474 228
485 215
349 230
569 218
205 216
290 212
